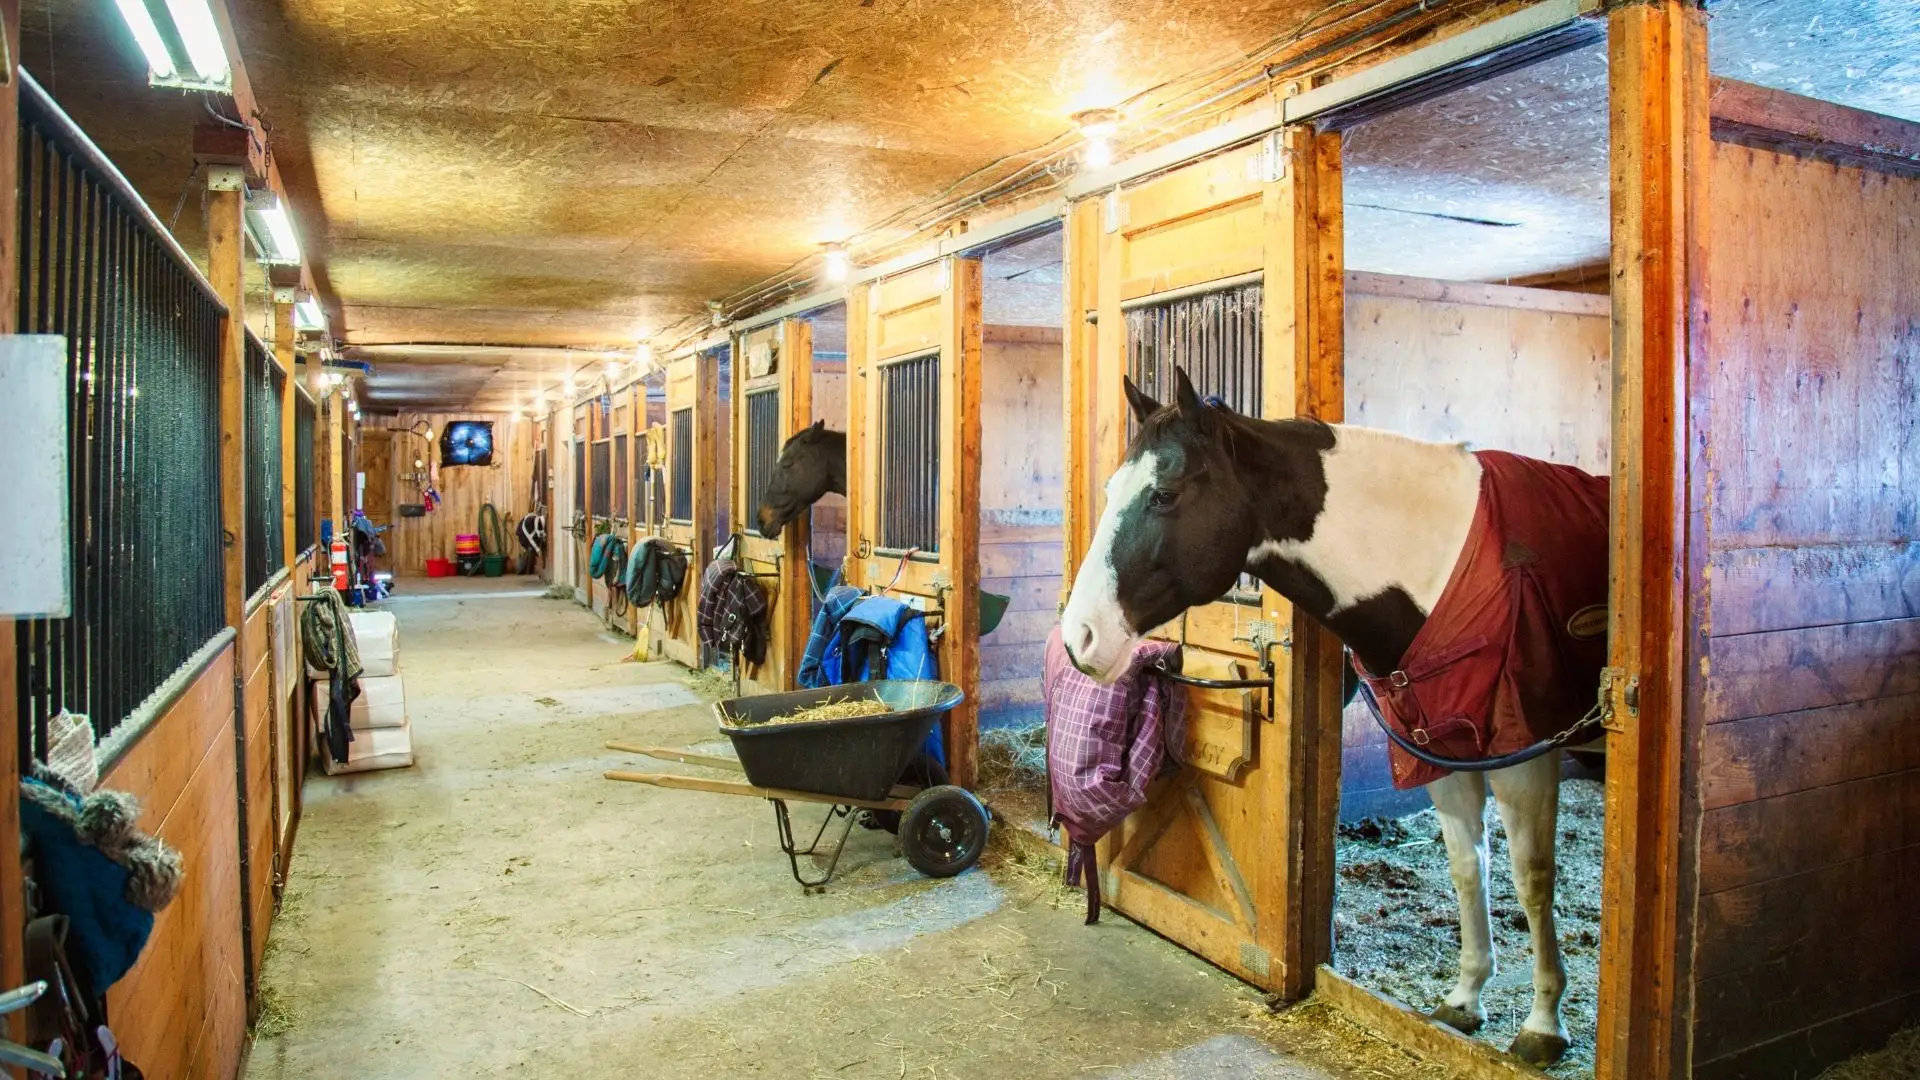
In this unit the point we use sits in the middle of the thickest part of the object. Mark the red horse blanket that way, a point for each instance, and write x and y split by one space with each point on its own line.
1512 651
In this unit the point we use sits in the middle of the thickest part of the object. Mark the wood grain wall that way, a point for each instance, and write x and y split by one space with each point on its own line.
1500 367
182 1011
1809 772
1022 503
507 484
256 665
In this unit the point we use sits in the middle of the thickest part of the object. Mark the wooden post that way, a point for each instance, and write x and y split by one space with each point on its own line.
960 505
226 252
13 899
1082 246
1660 147
1305 321
289 361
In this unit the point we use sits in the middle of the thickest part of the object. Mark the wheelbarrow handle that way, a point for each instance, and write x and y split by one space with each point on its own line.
741 787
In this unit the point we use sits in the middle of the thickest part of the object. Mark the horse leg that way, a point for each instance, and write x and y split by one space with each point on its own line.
1461 799
1529 798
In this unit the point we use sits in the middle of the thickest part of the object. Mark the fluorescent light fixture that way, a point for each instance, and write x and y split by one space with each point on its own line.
836 255
201 35
270 213
1097 127
147 36
308 316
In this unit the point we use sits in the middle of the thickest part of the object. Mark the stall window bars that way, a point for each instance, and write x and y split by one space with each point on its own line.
601 480
579 476
910 454
306 415
143 333
763 444
680 462
1216 337
265 523
622 490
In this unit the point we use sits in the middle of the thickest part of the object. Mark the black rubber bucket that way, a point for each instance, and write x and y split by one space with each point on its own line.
858 758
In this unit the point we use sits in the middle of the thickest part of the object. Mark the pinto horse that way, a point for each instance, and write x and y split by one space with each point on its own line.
1362 530
812 464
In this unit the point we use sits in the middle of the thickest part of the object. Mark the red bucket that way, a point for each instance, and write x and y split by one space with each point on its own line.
439 568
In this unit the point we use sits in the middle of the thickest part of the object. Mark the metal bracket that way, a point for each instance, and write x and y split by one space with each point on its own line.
1273 157
1619 698
226 178
1110 211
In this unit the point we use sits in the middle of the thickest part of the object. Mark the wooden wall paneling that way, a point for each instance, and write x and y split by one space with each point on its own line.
182 1009
256 790
782 562
690 385
464 489
1079 357
1658 124
1810 759
13 912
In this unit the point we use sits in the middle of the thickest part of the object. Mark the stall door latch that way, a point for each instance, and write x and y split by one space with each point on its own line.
1619 699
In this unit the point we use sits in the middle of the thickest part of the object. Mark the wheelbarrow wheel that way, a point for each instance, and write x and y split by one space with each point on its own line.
924 771
943 831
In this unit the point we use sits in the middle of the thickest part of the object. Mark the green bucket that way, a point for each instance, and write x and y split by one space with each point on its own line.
493 565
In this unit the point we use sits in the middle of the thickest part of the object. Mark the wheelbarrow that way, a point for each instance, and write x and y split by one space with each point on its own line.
864 766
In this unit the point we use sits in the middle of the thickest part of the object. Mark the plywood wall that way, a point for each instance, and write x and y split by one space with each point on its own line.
1500 367
507 484
1022 500
182 1010
1810 729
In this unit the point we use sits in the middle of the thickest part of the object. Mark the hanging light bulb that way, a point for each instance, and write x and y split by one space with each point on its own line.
643 356
836 256
566 385
613 370
1097 128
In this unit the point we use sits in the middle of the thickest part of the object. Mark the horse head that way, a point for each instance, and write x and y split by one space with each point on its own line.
812 463
1175 533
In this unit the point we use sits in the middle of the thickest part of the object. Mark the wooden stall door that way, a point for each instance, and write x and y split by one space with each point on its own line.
923 324
773 399
691 465
1217 860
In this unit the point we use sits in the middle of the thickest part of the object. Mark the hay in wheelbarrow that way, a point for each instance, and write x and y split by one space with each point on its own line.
844 709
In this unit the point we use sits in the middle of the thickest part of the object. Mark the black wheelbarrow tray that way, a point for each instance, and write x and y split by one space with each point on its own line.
864 763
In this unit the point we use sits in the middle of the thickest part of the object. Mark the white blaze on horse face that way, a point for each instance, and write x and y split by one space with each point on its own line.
1397 512
1093 627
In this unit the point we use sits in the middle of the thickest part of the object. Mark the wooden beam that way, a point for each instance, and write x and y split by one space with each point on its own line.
13 892
1659 160
961 355
1404 1027
226 259
1478 294
289 361
1777 120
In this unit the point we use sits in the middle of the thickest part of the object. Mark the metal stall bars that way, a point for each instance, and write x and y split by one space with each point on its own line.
143 342
266 528
306 533
910 454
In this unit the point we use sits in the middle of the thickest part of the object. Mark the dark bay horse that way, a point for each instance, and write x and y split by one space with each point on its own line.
1362 530
812 464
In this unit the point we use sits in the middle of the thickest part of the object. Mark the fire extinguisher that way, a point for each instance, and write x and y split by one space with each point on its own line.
337 556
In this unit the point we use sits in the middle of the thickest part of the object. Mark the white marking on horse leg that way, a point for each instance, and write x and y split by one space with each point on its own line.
1529 799
1092 626
1461 799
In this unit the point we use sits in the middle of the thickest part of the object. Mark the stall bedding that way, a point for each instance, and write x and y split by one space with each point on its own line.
1396 922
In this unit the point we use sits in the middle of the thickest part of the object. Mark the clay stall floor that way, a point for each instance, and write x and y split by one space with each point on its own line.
501 910
1396 922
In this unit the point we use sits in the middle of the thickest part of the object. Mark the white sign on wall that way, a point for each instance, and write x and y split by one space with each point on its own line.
36 575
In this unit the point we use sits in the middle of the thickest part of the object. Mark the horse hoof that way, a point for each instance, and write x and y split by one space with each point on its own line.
1459 1020
1538 1050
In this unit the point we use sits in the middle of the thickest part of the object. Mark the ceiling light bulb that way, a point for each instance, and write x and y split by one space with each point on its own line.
147 36
836 256
201 35
613 369
566 386
643 354
1097 128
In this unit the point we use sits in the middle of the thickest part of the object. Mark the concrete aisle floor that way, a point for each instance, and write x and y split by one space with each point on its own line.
499 909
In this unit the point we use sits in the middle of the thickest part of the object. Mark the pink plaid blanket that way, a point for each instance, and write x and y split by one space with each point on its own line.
1105 745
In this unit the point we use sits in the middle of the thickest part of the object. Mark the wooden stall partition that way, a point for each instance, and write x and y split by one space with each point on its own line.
1022 488
1657 158
1424 358
1221 860
578 528
772 400
692 464
182 1009
463 489
914 525
1808 707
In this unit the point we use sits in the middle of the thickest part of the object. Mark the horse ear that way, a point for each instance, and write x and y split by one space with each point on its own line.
820 424
1189 401
1143 406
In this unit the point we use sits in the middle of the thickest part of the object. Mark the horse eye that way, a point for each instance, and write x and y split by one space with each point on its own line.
1162 498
